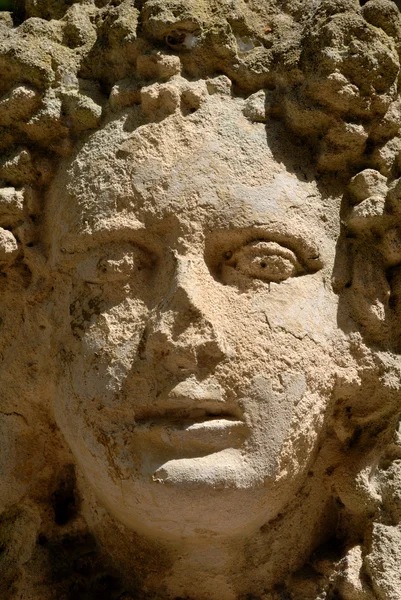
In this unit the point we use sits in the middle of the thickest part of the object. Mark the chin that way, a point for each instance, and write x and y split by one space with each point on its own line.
215 495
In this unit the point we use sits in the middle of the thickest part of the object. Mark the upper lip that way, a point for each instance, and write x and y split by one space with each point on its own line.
189 401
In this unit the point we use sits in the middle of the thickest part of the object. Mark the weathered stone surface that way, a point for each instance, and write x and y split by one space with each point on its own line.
200 260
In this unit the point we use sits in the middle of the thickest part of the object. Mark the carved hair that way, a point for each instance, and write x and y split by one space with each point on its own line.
67 64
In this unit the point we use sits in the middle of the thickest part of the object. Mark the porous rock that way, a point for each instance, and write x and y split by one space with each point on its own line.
200 314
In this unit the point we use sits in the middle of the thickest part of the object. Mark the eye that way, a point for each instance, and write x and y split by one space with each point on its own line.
113 263
260 259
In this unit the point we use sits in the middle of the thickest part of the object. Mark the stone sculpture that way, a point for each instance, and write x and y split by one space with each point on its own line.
201 252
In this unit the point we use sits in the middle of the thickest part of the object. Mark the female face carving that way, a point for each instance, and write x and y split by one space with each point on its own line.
194 321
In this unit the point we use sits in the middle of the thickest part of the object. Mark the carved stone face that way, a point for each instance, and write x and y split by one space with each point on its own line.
195 320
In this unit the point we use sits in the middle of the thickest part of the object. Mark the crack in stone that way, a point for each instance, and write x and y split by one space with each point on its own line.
14 413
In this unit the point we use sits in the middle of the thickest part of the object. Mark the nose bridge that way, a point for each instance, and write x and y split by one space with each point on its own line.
186 303
186 288
184 329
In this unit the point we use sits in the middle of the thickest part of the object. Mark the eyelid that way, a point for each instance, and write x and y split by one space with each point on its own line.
261 245
262 260
305 252
297 239
296 254
122 260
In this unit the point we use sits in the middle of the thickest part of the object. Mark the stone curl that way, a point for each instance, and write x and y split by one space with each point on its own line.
330 72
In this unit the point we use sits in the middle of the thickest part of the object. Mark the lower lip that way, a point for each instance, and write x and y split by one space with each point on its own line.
210 434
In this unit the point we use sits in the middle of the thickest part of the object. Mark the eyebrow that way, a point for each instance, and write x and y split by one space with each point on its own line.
85 240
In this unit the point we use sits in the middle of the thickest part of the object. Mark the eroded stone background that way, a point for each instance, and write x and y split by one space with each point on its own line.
318 83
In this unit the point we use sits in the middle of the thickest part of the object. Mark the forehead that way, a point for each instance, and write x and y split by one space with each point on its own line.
212 170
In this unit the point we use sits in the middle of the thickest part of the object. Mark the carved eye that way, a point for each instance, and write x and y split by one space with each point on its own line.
267 261
114 263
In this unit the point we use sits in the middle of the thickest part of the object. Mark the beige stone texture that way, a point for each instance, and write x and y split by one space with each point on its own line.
200 260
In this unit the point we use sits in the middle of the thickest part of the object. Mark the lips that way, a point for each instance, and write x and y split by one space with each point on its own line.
186 410
199 418
189 400
206 433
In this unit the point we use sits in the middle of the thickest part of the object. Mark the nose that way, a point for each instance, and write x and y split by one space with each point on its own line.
182 331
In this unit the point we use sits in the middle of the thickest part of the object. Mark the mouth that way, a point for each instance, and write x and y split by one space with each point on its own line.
204 411
189 400
194 421
202 432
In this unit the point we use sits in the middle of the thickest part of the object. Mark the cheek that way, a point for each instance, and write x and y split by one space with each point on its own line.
290 329
117 329
102 355
300 308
